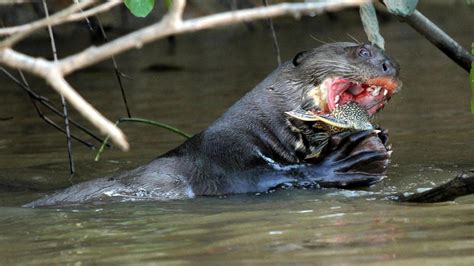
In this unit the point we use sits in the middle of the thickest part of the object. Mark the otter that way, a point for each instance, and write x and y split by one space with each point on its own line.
255 147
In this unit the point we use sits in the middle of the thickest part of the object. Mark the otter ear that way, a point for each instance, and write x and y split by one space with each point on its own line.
298 58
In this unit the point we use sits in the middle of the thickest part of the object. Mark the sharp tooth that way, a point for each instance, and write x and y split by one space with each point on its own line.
370 89
337 105
336 100
385 92
376 91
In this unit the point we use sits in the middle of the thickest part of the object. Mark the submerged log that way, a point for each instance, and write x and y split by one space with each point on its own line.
461 185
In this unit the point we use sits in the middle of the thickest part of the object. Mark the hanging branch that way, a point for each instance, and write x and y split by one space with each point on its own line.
171 24
44 117
118 73
63 101
440 39
26 30
143 121
38 99
67 15
405 11
274 37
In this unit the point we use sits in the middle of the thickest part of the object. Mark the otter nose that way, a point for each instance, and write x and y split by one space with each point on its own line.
389 68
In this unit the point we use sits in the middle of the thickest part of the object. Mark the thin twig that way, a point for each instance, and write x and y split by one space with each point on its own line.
88 22
55 78
144 121
28 29
46 103
93 11
274 37
118 73
440 39
56 126
34 100
63 100
64 18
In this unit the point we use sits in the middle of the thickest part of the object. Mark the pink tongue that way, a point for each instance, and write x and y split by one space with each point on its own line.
356 90
372 103
336 89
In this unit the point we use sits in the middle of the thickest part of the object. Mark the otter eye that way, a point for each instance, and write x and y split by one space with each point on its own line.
364 52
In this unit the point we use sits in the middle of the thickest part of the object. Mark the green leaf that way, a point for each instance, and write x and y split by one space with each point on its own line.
371 25
168 3
402 8
140 8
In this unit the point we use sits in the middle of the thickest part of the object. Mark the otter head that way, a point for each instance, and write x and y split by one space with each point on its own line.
336 73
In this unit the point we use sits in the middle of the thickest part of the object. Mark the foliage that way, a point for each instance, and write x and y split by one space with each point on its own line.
140 8
168 3
371 25
402 8
369 17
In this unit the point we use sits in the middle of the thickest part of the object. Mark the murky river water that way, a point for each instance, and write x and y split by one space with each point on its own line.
429 121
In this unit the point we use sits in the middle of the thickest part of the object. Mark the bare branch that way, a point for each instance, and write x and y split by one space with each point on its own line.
11 2
28 29
38 99
171 24
57 81
37 66
50 72
64 16
93 11
63 101
274 37
440 39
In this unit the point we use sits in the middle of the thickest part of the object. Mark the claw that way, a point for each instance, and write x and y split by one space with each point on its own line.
366 157
383 135
347 144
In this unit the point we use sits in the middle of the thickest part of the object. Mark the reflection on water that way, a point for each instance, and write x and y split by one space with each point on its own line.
290 226
429 121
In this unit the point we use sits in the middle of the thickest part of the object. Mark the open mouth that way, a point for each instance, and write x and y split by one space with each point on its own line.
372 94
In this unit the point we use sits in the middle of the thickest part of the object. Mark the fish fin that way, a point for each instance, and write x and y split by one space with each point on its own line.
330 120
317 150
318 137
301 114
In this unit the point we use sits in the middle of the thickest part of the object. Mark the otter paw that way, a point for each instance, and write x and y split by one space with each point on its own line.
354 160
